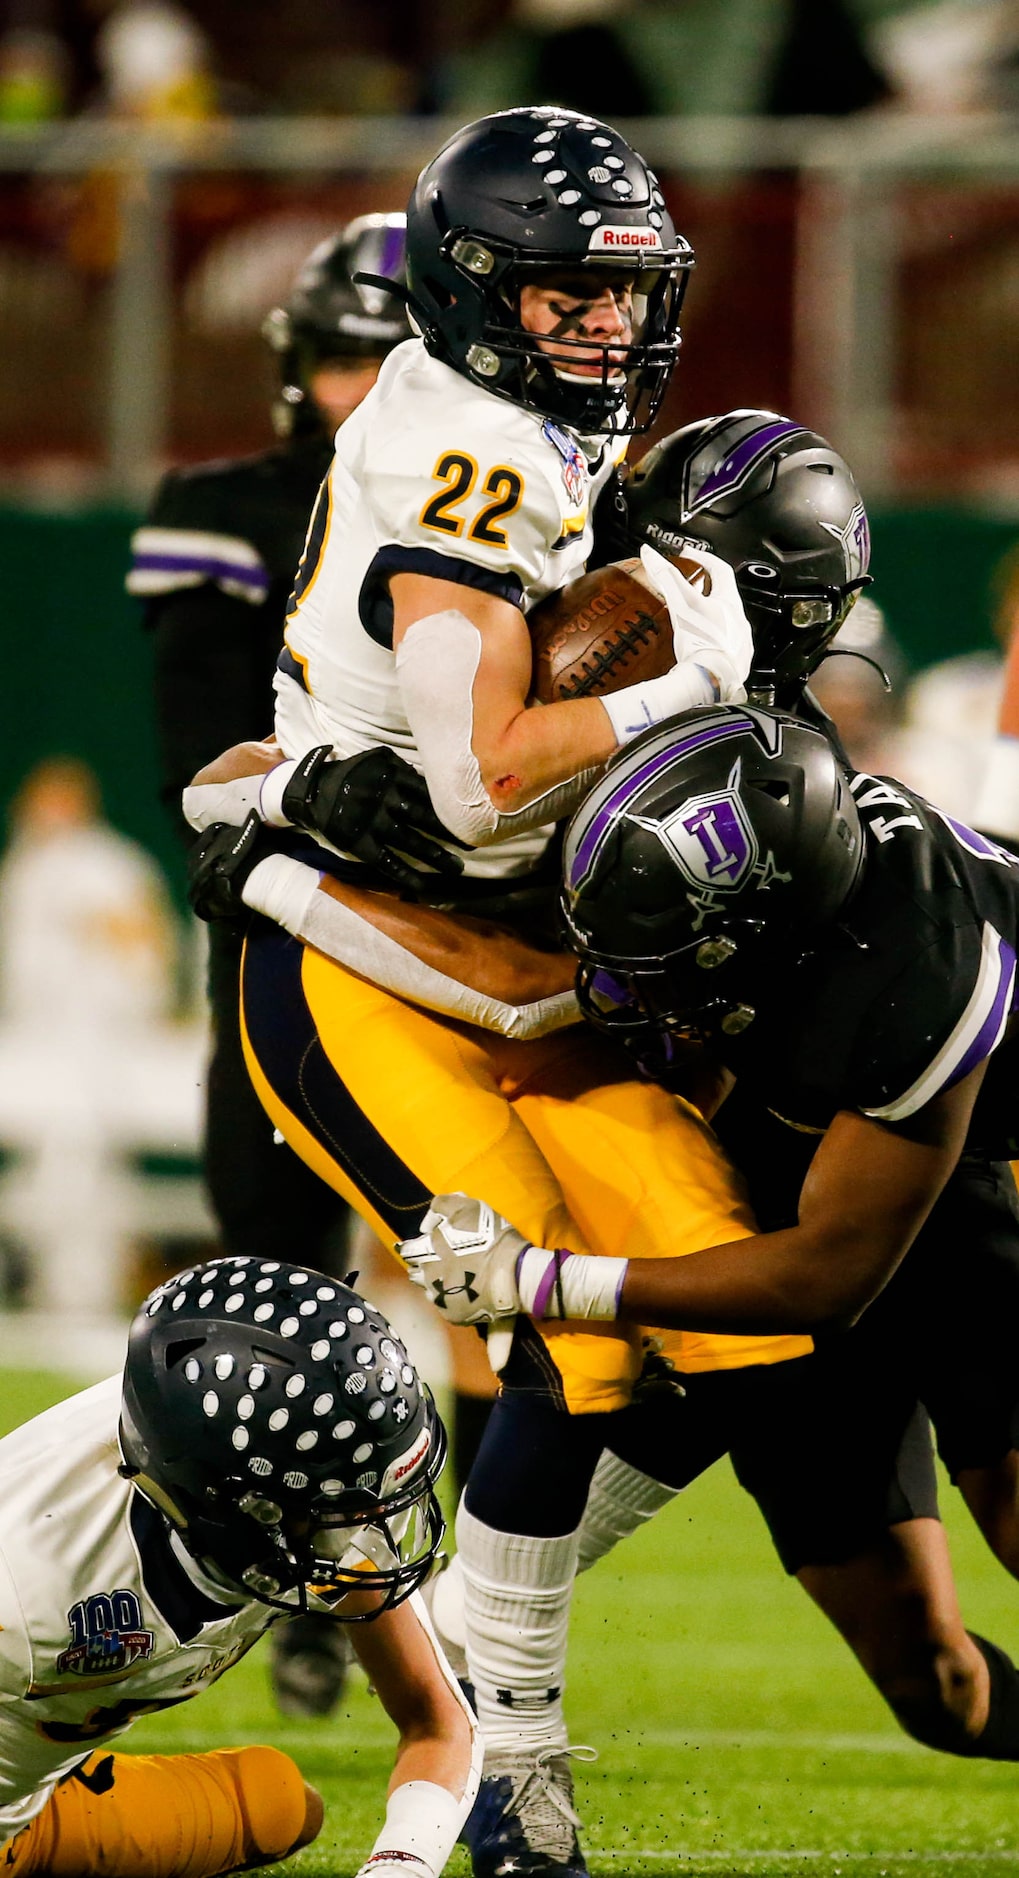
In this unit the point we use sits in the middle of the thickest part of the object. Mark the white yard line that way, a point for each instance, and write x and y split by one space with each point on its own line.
741 1855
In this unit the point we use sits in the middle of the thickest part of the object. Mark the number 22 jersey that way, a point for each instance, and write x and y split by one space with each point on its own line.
435 476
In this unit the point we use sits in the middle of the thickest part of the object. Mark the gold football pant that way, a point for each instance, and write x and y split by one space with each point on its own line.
165 1816
391 1104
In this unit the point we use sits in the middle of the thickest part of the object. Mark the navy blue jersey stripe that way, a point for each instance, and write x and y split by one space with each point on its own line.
376 607
285 1041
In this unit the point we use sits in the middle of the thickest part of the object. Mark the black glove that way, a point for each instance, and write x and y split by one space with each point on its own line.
370 805
219 864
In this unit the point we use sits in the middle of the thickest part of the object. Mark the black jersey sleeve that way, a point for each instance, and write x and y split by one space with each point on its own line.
198 532
213 666
942 1014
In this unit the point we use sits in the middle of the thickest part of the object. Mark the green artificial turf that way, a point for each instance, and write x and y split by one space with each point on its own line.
735 1732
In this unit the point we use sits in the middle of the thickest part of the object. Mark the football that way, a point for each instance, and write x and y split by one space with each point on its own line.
605 630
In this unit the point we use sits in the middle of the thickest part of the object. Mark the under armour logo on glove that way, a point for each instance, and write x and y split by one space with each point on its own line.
455 1230
440 1292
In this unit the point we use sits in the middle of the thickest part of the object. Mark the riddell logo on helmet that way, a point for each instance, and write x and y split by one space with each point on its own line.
405 1464
605 238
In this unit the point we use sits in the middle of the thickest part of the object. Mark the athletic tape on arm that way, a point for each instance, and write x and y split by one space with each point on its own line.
232 802
437 662
287 891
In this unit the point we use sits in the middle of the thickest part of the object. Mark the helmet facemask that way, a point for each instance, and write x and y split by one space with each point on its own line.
793 624
521 365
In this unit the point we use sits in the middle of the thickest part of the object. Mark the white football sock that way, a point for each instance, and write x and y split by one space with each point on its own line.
621 1500
517 1593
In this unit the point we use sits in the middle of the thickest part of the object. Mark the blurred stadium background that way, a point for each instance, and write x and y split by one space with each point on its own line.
848 173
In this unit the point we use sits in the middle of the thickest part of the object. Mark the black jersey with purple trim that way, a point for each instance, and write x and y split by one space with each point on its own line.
910 991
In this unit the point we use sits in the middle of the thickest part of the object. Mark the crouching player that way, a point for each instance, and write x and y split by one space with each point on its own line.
268 1450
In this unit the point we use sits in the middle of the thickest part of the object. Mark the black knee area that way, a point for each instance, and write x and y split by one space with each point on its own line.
534 1466
468 1421
1000 1738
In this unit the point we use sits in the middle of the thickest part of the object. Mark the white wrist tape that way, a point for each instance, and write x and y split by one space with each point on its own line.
568 1284
283 889
637 707
422 1823
997 806
231 802
270 796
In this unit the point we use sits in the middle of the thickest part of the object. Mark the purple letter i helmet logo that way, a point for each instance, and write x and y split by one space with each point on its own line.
712 840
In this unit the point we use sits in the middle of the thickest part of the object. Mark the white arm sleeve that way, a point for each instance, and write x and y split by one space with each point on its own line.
436 663
287 892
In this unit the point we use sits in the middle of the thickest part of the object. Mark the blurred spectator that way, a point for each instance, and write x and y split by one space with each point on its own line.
90 1074
34 75
949 56
156 64
932 731
86 936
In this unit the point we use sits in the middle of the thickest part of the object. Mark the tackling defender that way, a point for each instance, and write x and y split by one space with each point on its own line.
833 1447
269 1448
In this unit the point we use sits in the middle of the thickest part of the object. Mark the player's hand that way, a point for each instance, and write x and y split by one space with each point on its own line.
709 629
219 864
374 806
465 1260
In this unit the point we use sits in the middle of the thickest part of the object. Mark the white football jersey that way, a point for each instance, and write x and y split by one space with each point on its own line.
432 475
99 1621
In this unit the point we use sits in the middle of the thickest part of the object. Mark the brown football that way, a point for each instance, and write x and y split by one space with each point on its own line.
605 630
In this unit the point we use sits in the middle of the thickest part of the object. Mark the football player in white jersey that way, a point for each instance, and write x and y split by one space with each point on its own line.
546 279
268 1449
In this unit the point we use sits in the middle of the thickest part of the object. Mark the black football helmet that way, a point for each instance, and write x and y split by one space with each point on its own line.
776 502
542 191
714 847
330 314
276 1420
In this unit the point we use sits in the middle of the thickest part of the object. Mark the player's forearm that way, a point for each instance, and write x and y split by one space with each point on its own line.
431 1793
438 1760
777 1282
437 1747
229 787
524 756
481 976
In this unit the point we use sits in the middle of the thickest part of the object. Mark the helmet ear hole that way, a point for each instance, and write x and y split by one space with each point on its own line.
176 1352
778 791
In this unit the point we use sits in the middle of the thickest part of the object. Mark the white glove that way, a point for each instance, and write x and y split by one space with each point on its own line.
465 1260
709 629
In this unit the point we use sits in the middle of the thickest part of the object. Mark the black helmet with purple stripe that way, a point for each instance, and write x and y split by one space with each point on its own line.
712 844
334 313
773 499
